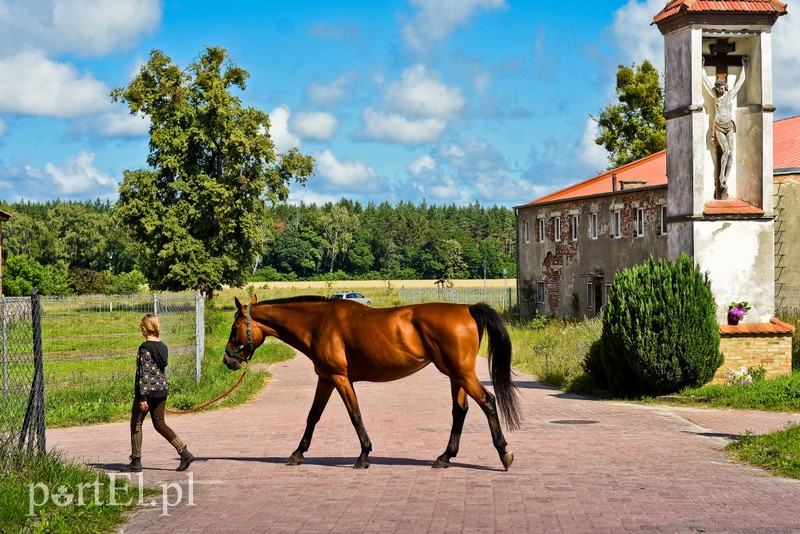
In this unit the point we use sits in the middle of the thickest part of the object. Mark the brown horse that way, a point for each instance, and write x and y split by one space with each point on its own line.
349 342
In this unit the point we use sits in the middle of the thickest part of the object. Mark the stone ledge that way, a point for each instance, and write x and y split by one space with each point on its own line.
731 207
774 326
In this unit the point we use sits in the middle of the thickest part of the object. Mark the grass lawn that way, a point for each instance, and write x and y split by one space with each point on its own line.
778 453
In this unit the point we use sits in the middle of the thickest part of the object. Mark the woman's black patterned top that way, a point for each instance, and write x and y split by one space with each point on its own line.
151 365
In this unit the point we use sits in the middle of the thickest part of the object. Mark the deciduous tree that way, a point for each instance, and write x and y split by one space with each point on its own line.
635 127
212 165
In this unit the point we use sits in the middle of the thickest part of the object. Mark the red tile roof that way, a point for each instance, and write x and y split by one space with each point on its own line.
774 326
651 171
675 7
786 141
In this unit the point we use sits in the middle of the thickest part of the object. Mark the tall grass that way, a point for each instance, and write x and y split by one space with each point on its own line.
553 350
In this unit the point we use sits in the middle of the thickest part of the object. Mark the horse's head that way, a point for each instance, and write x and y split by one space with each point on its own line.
244 339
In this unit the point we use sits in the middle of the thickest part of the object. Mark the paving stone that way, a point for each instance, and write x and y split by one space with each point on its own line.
580 465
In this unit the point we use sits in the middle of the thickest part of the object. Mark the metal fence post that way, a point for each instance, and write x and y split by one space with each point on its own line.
5 346
155 304
200 331
33 424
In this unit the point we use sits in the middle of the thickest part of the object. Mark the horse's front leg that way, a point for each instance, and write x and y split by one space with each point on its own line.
460 408
348 394
321 397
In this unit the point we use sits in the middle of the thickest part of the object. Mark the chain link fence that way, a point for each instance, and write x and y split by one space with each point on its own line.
78 341
92 338
22 402
501 298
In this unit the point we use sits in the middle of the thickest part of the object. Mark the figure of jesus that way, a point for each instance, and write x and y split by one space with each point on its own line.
723 131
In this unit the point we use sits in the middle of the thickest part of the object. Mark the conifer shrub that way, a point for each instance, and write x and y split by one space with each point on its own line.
660 331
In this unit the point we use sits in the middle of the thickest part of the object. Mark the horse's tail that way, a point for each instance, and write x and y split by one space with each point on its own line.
499 361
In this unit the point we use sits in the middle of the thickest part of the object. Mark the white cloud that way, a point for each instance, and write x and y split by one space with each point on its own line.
76 176
279 129
786 64
436 19
31 84
319 126
634 35
396 128
591 154
422 94
330 94
92 27
444 188
113 124
344 173
421 164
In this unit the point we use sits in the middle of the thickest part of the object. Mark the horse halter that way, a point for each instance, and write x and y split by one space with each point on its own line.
235 353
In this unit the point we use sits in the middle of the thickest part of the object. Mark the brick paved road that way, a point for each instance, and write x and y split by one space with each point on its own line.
581 466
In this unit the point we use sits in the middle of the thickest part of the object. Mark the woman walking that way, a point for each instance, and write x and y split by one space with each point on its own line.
152 389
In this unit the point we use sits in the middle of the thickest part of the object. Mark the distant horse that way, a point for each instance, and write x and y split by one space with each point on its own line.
350 342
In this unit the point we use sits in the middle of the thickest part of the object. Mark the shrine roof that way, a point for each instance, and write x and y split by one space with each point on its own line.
651 171
674 7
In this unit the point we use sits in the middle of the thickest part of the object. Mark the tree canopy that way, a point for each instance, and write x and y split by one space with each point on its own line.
198 208
635 127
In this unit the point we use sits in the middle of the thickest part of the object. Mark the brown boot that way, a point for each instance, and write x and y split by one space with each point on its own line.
134 467
186 458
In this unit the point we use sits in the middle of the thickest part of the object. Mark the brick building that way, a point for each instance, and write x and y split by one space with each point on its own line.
573 241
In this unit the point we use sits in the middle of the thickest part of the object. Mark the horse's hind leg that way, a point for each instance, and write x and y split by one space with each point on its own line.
460 408
486 401
321 397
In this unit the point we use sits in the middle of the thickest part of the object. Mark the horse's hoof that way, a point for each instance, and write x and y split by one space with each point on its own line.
295 459
441 463
507 459
362 464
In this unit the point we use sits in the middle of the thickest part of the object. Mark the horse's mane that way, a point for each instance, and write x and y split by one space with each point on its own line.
287 300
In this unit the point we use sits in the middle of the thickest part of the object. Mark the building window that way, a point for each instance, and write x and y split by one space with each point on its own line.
541 230
605 298
557 228
527 232
662 220
540 292
616 224
590 295
593 226
573 228
639 222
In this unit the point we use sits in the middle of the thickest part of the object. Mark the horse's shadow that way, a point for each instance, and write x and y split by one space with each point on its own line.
346 461
328 461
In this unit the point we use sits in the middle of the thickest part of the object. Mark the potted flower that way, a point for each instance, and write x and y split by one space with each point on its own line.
737 311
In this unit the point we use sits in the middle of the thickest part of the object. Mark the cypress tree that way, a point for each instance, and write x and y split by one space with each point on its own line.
660 332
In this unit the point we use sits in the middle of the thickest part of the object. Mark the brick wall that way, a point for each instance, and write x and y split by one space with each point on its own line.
773 352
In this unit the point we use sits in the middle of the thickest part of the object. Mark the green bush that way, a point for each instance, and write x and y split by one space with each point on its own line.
792 316
660 331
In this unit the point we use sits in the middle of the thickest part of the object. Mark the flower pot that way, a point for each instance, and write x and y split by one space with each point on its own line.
733 321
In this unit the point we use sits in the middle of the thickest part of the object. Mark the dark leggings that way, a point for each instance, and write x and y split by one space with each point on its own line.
156 407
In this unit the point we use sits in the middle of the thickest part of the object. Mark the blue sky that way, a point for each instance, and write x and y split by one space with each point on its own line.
447 101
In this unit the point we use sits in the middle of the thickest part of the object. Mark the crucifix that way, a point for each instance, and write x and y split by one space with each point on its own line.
723 131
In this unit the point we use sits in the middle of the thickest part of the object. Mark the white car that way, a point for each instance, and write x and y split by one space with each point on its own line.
351 295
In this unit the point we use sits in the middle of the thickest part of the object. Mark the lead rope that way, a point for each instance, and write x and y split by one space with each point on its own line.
244 372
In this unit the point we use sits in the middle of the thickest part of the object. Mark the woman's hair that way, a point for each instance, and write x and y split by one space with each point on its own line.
149 325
